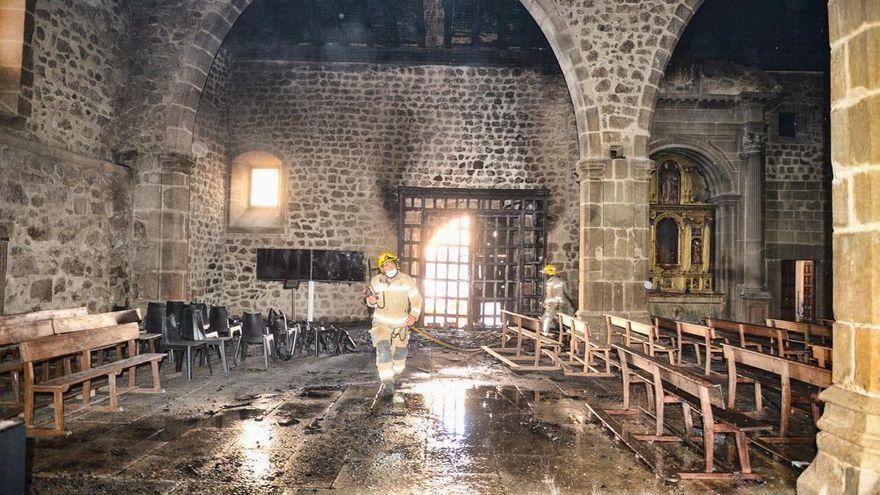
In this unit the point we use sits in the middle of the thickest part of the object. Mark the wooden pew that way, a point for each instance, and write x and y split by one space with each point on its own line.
48 314
517 357
755 337
821 354
787 370
809 332
10 337
638 333
694 393
579 332
81 343
665 328
30 329
699 336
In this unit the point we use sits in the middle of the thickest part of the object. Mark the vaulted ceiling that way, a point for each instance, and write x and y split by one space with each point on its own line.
459 31
769 34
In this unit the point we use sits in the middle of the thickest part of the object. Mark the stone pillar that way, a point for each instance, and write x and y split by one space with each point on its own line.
725 252
161 212
754 300
848 461
590 174
614 237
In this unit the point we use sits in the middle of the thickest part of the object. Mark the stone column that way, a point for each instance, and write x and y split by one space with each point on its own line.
161 213
590 174
848 461
614 237
754 300
725 251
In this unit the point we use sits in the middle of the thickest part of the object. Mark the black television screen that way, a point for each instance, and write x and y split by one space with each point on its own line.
283 264
338 266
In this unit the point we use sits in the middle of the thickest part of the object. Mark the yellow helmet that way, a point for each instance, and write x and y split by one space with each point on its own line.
550 269
385 257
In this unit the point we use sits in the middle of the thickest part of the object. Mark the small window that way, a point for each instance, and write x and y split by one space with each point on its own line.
256 193
787 124
264 187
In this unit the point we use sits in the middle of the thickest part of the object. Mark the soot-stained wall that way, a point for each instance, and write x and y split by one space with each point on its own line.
350 135
208 186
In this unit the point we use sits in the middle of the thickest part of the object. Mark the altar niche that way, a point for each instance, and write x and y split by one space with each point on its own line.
681 227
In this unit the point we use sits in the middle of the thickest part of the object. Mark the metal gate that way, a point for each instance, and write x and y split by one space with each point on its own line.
495 266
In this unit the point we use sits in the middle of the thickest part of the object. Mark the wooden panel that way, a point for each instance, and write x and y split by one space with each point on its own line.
696 330
15 334
641 328
675 376
756 359
41 315
726 325
70 343
75 324
616 321
808 373
762 331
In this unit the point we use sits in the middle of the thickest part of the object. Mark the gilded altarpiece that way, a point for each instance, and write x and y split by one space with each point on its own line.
681 228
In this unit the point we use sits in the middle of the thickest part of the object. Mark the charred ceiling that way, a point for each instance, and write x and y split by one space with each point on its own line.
478 32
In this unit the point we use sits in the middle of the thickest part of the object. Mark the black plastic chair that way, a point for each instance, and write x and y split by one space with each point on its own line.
171 343
154 321
254 331
192 327
175 308
203 308
286 336
219 321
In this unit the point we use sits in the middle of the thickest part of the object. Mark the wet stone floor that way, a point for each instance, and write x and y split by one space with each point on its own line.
458 424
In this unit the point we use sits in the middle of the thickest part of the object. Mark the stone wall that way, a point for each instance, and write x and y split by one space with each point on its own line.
80 55
208 186
798 185
68 208
70 221
350 135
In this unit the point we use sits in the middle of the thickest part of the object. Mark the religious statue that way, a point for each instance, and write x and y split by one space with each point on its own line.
696 252
669 184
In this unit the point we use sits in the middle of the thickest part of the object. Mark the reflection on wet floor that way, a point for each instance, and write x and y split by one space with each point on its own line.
455 426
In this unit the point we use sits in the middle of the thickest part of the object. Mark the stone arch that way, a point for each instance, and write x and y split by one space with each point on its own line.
199 57
719 171
684 12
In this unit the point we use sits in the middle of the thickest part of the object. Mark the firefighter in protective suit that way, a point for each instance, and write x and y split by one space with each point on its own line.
555 297
395 297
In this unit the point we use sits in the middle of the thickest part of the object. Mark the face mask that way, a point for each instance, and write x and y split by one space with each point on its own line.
391 273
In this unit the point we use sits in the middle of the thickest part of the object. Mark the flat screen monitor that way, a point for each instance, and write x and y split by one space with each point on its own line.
284 264
338 266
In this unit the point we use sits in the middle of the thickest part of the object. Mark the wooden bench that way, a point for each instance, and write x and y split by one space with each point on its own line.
700 337
809 332
756 337
525 328
821 354
32 326
675 385
49 314
665 328
81 343
579 333
787 370
638 333
10 338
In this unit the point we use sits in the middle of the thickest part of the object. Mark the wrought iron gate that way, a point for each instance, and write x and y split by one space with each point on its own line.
502 256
